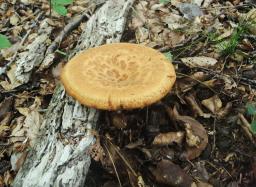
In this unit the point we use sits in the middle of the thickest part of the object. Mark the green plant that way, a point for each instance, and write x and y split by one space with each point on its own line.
251 110
164 1
168 55
4 42
228 46
59 6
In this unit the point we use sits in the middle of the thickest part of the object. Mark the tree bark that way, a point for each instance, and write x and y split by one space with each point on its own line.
61 155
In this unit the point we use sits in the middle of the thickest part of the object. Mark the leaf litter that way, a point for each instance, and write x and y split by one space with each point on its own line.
199 133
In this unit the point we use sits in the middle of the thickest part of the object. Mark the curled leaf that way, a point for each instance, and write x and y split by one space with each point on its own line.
213 104
201 61
168 138
197 138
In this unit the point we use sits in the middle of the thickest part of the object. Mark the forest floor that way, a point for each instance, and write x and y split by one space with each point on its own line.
203 133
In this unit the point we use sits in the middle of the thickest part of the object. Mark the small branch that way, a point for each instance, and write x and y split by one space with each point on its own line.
242 80
246 127
74 23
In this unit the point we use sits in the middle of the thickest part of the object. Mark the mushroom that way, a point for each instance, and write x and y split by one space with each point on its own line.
118 76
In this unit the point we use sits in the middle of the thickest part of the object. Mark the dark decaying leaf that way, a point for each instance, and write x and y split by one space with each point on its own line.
197 132
6 106
187 83
168 173
119 120
4 126
4 166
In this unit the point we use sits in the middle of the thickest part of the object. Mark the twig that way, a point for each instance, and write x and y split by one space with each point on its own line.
114 166
74 23
124 160
242 80
226 7
169 47
198 81
246 127
214 134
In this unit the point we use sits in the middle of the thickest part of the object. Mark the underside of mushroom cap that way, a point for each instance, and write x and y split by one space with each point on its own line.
118 76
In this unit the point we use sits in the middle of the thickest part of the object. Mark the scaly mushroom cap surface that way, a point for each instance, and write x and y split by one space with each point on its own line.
118 76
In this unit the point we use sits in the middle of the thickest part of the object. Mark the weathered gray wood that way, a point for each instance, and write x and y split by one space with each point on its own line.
61 156
39 52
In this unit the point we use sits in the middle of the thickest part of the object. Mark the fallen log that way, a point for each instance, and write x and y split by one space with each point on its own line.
60 157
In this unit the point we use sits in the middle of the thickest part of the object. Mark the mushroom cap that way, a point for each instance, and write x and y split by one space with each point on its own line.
118 76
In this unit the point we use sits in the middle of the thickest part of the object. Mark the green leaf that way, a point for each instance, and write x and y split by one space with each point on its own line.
61 52
251 109
61 10
253 127
4 42
164 1
168 55
62 2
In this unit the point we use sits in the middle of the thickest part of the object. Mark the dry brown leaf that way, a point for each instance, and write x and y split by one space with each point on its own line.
201 61
21 98
13 81
199 171
186 83
206 3
9 52
214 104
1 181
197 136
142 34
173 21
226 33
18 133
7 119
176 2
4 131
203 184
191 139
27 127
195 107
224 111
251 17
27 2
33 122
172 38
229 83
14 19
56 70
197 2
8 178
168 138
139 18
246 128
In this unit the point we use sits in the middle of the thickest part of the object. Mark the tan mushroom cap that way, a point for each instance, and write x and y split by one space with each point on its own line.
118 76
